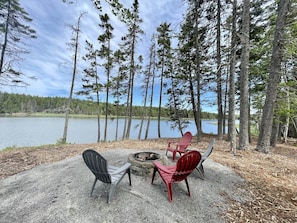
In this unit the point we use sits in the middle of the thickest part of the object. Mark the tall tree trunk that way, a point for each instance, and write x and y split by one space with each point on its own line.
151 106
197 111
160 103
98 109
294 124
131 94
118 98
219 73
286 129
193 102
225 101
231 98
150 109
107 99
76 41
117 123
244 77
132 21
275 131
153 67
274 77
127 109
144 113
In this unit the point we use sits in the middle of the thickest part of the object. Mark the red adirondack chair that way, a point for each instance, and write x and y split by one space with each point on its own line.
179 172
179 147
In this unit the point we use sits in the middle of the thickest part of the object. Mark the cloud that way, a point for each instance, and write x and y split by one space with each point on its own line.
49 52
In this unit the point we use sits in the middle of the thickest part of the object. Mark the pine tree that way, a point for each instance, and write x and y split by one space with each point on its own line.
132 20
151 71
15 29
164 61
118 85
91 82
105 53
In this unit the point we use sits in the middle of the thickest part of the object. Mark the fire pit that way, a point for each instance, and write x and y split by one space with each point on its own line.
142 162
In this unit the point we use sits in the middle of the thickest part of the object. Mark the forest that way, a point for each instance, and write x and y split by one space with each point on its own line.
237 55
20 103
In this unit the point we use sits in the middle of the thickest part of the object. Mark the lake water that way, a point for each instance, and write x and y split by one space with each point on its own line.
35 131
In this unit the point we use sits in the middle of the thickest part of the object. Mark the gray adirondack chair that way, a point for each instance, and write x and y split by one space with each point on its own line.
205 155
105 173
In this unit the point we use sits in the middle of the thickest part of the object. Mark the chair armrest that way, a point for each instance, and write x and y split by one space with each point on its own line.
163 168
121 169
178 146
170 142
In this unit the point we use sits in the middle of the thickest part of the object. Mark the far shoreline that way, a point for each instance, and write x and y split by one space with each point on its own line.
62 115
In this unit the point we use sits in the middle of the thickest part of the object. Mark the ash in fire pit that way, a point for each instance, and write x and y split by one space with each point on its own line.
142 162
143 156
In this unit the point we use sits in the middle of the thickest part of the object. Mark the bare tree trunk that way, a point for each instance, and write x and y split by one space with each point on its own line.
133 30
286 129
144 114
98 110
151 106
76 30
274 77
118 96
109 62
194 105
219 73
244 77
231 117
160 103
225 102
197 111
131 96
275 131
153 69
107 96
147 84
294 124
117 126
127 111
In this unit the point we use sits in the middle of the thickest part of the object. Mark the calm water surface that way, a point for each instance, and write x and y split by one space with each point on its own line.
34 131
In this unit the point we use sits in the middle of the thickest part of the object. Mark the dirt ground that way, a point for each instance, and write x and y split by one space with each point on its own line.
271 179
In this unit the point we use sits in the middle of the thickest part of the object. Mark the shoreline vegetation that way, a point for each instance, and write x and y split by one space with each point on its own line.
62 115
26 104
270 179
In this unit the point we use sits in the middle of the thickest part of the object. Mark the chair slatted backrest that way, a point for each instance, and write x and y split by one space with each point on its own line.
185 165
185 141
209 149
186 138
97 164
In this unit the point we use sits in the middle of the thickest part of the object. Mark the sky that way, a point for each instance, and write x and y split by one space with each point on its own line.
49 59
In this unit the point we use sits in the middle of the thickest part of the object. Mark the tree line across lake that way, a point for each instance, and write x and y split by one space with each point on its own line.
21 103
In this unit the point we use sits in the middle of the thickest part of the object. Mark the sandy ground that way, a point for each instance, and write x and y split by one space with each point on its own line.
269 187
58 192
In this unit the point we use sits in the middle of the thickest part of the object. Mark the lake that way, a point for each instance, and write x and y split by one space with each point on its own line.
35 131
